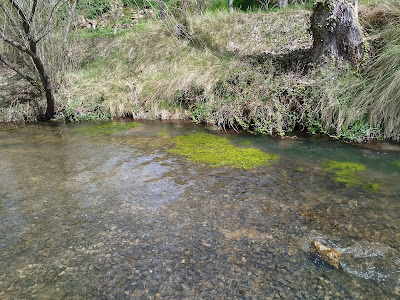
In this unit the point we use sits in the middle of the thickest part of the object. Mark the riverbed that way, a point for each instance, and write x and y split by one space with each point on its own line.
94 214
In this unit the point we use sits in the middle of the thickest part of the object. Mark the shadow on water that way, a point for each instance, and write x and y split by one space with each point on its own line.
117 216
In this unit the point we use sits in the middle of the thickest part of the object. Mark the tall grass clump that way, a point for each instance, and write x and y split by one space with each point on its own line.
363 103
377 96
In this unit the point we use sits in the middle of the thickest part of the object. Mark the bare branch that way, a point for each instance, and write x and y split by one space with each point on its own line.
22 16
15 44
18 8
54 10
44 33
33 10
19 72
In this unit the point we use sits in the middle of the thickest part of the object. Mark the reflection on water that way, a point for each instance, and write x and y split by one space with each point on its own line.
116 216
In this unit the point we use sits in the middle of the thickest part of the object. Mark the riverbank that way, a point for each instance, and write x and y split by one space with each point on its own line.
246 70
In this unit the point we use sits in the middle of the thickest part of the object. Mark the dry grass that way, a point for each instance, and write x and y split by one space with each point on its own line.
244 34
237 70
380 14
378 94
140 72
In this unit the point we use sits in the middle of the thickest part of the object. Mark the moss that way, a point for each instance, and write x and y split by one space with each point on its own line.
300 169
349 174
217 151
108 128
245 143
396 163
162 133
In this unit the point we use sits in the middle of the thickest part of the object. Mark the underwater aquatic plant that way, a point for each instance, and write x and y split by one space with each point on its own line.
108 128
217 151
348 173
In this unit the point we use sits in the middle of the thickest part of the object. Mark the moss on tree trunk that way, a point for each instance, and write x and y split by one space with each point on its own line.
336 31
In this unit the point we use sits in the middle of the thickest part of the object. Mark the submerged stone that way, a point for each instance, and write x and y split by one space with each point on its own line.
329 255
109 128
217 151
348 173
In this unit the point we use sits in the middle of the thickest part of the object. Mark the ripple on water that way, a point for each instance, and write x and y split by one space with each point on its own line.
117 216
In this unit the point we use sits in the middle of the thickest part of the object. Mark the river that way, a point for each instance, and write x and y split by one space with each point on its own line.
92 214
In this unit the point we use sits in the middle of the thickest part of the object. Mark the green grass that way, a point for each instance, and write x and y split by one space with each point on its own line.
238 70
217 152
370 99
349 174
93 8
149 72
378 100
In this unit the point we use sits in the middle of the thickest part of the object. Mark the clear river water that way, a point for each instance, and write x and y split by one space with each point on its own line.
88 214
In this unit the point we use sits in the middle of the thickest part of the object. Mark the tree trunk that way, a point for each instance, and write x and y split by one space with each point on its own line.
336 31
282 3
162 9
71 13
47 86
201 7
355 5
230 5
117 18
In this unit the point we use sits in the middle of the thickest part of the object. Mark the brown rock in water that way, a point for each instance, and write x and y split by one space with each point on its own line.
328 255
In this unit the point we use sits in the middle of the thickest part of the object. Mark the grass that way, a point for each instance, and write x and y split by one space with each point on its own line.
349 174
377 93
245 70
232 70
150 73
217 151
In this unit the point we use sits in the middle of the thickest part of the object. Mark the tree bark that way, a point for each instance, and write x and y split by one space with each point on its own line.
117 18
201 7
47 86
336 31
355 5
230 6
282 3
162 9
71 13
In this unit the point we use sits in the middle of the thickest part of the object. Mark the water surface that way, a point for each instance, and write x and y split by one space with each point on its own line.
93 215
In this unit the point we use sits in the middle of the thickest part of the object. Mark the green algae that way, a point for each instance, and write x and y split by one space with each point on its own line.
396 163
217 152
245 143
162 133
109 128
348 173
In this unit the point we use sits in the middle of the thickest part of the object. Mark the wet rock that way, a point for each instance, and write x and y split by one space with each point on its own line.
326 254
